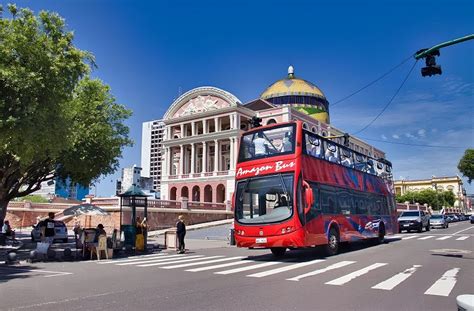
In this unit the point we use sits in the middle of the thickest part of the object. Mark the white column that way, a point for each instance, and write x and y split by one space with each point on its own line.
181 160
204 128
216 124
193 128
231 120
168 164
182 129
216 155
192 157
231 147
164 158
204 157
237 121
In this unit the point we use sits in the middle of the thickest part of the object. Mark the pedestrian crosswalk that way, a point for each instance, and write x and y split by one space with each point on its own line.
325 271
429 237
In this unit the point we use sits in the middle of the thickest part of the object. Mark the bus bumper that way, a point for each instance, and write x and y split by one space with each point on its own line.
293 239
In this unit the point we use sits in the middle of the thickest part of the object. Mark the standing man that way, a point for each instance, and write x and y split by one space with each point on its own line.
47 229
181 232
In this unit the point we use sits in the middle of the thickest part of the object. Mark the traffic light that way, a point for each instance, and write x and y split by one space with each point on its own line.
255 122
430 61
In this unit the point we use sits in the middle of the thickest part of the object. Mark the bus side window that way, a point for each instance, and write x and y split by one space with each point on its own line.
345 203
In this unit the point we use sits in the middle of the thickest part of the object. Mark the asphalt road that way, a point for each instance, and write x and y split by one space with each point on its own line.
411 272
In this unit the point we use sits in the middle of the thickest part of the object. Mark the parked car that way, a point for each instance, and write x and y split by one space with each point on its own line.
471 218
413 220
60 230
452 217
439 221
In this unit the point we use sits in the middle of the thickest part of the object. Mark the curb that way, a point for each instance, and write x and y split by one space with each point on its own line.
157 233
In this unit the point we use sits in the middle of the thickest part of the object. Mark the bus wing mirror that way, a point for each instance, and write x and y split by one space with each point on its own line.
308 193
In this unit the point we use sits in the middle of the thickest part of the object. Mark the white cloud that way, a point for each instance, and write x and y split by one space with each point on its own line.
396 136
422 132
384 137
408 135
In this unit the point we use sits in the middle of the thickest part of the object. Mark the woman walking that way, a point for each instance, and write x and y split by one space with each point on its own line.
180 232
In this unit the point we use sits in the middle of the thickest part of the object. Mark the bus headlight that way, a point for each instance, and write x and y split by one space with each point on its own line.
287 230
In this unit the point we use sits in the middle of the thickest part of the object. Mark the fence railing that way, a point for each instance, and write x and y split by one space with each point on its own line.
207 205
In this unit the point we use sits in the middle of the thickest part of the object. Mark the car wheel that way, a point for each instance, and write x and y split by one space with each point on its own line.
333 242
278 251
420 229
428 227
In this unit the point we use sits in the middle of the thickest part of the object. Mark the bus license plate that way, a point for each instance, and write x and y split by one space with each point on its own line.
261 240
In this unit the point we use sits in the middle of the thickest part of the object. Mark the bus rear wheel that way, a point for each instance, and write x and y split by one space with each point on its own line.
333 242
278 251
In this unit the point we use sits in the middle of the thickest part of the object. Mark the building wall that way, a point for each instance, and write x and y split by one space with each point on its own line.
453 184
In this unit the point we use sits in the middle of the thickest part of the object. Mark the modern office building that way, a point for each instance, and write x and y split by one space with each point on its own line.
201 131
152 137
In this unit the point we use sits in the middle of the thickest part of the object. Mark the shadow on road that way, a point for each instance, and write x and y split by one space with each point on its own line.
8 273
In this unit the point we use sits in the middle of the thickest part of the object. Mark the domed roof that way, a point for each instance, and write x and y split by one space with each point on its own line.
304 96
292 86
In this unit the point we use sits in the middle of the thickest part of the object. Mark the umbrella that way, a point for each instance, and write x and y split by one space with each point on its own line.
84 209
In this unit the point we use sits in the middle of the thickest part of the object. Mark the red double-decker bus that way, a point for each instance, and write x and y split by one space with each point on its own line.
297 189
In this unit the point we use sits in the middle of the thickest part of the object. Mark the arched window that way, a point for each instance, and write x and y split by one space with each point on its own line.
271 121
220 194
184 192
208 193
196 194
313 129
305 126
173 194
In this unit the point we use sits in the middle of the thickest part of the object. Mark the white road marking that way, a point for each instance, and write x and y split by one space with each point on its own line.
462 238
178 261
426 237
471 227
445 237
396 279
106 262
395 236
283 269
163 258
409 237
236 270
202 262
319 271
445 284
349 277
230 264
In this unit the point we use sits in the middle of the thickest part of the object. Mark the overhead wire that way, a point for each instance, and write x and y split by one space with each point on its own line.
371 83
389 102
409 144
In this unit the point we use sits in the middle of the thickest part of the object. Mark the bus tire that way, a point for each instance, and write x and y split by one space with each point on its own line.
278 251
381 235
333 242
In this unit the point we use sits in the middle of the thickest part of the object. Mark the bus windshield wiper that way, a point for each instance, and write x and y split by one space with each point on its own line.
245 188
285 191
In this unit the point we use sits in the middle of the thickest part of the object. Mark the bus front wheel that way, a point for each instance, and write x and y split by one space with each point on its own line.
333 242
278 251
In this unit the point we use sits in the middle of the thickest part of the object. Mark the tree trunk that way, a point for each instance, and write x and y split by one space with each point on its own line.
3 210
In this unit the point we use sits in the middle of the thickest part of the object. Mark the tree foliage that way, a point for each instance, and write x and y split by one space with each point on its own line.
435 199
466 165
55 121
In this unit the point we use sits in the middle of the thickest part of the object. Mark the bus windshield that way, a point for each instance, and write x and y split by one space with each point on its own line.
267 142
264 199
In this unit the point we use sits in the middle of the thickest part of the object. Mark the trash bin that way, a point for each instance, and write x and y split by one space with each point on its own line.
231 236
171 239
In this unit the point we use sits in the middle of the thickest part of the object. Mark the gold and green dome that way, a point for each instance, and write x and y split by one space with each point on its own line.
301 94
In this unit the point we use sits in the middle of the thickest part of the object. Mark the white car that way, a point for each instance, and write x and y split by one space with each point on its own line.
60 232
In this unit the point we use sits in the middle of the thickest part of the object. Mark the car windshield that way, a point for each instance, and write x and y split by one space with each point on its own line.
410 214
436 216
267 142
264 199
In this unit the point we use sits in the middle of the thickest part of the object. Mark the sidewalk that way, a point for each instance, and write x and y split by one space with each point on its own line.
156 233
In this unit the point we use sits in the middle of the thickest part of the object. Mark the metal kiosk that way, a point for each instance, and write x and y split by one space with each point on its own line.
134 197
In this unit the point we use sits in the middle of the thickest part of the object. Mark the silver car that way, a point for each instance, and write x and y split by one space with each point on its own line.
60 232
438 221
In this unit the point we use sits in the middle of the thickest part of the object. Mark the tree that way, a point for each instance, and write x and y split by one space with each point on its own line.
55 121
466 165
435 199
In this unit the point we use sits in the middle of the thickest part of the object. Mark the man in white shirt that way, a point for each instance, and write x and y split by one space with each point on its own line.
260 145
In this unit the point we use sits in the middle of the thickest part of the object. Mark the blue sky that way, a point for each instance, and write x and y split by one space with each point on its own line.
150 51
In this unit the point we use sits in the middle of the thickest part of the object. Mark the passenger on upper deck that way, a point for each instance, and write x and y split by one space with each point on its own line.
260 145
286 145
